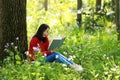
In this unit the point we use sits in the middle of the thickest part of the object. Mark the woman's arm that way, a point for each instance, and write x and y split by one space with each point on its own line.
47 52
44 51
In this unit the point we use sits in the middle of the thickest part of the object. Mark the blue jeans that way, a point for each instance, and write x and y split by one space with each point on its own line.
59 58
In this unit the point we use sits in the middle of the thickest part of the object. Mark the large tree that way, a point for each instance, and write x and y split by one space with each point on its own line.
118 17
12 25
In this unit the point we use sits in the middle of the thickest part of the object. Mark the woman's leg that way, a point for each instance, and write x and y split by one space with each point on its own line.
59 57
50 58
62 59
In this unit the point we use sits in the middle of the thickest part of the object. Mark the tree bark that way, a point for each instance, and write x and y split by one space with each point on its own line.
0 30
79 13
12 25
118 18
98 5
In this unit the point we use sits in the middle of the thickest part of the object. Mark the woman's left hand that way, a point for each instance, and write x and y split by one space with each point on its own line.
54 50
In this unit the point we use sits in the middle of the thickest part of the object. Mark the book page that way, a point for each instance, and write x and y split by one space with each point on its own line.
56 43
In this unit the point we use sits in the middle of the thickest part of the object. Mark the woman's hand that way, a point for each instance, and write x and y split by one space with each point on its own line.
54 50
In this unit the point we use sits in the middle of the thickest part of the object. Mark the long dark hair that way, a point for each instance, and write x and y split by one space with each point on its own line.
39 33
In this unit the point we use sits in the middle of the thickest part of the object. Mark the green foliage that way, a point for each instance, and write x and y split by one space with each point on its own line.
97 52
37 71
96 48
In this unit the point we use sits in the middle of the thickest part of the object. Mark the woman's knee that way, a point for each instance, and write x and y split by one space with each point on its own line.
57 54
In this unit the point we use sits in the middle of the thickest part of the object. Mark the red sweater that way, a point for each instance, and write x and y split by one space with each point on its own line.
39 44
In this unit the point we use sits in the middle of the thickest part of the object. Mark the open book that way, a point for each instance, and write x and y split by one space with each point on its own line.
56 43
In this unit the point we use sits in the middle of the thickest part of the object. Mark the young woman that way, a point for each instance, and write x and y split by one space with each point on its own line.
40 41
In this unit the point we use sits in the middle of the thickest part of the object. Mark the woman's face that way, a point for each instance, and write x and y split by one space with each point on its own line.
46 32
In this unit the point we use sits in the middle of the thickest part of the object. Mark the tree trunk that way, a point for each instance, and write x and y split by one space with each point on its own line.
118 18
0 31
79 13
12 25
98 5
55 1
46 5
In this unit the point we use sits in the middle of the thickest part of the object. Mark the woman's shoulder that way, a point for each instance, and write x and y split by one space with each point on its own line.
47 39
34 39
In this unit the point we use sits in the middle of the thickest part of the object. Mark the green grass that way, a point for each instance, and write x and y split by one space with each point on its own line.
98 53
97 50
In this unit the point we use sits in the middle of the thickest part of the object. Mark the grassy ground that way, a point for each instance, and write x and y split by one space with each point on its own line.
97 52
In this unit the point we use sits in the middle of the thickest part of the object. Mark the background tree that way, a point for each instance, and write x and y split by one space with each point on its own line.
46 5
79 13
12 25
118 17
98 5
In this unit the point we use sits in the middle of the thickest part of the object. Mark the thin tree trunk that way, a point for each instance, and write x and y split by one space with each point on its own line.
12 25
118 18
79 14
98 5
55 1
46 5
